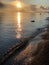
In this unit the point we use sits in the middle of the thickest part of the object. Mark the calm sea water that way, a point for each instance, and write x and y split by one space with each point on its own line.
15 26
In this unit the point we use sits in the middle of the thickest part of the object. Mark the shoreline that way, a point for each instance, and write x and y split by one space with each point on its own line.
24 42
41 55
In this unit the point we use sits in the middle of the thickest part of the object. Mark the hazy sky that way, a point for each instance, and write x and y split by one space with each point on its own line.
41 2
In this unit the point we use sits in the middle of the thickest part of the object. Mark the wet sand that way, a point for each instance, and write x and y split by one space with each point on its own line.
28 55
27 52
41 54
37 52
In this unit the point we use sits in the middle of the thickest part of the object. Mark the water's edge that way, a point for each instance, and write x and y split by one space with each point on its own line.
23 43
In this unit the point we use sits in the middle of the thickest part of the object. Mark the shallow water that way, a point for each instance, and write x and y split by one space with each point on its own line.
16 26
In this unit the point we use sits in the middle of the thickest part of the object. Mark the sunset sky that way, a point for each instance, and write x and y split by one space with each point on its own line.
41 2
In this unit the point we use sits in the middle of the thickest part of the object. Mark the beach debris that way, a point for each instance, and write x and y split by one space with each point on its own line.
32 20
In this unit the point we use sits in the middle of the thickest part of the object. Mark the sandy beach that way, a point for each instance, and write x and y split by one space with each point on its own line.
37 51
40 54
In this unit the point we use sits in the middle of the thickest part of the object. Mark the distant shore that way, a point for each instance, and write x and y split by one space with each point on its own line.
8 9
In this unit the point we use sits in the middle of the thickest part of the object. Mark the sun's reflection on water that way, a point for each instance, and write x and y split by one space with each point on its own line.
19 28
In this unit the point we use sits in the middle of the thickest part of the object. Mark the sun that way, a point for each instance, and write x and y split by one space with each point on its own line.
18 5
